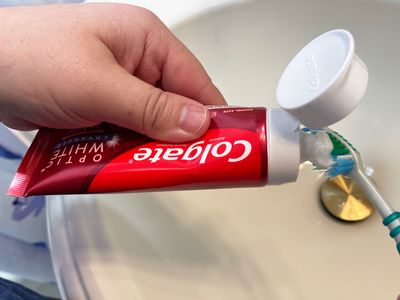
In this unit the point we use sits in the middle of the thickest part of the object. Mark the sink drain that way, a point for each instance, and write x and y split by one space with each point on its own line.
344 200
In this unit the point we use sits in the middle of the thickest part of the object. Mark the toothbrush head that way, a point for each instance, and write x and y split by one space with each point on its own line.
328 151
342 159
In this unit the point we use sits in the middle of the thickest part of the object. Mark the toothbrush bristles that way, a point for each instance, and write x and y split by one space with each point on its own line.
342 166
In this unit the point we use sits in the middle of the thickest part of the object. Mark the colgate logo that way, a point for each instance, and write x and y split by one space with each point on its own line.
313 72
196 150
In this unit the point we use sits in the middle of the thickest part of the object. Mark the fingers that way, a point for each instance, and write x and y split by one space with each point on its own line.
173 112
129 102
166 61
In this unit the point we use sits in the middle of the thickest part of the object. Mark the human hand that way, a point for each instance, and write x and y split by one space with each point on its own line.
72 66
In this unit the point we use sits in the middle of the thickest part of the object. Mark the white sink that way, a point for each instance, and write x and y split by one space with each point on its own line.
260 243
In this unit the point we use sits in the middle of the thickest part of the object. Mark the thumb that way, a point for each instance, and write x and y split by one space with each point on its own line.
137 105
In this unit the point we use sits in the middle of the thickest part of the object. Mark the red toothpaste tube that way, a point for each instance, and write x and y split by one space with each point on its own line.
243 147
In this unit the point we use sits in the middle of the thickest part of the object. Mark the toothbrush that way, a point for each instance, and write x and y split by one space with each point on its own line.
346 160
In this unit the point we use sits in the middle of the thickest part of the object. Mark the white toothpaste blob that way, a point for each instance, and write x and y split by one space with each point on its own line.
316 147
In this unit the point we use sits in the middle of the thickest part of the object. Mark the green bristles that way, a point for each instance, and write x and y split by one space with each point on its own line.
338 147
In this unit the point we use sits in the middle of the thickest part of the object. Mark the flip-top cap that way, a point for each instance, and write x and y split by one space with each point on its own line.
324 82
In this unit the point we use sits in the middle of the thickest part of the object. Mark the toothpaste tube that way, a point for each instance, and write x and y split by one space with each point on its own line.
243 147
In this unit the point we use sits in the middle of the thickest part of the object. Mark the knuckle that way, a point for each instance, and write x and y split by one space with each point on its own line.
157 112
140 13
147 14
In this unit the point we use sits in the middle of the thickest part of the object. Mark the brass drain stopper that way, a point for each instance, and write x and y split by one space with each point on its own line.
344 200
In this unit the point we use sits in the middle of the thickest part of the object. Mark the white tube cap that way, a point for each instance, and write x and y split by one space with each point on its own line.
324 82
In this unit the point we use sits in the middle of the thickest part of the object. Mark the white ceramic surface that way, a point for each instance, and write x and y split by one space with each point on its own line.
261 243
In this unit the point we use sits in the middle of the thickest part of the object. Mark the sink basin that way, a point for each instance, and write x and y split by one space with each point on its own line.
260 243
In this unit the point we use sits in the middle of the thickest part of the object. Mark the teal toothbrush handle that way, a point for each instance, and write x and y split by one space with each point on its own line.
392 221
391 218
